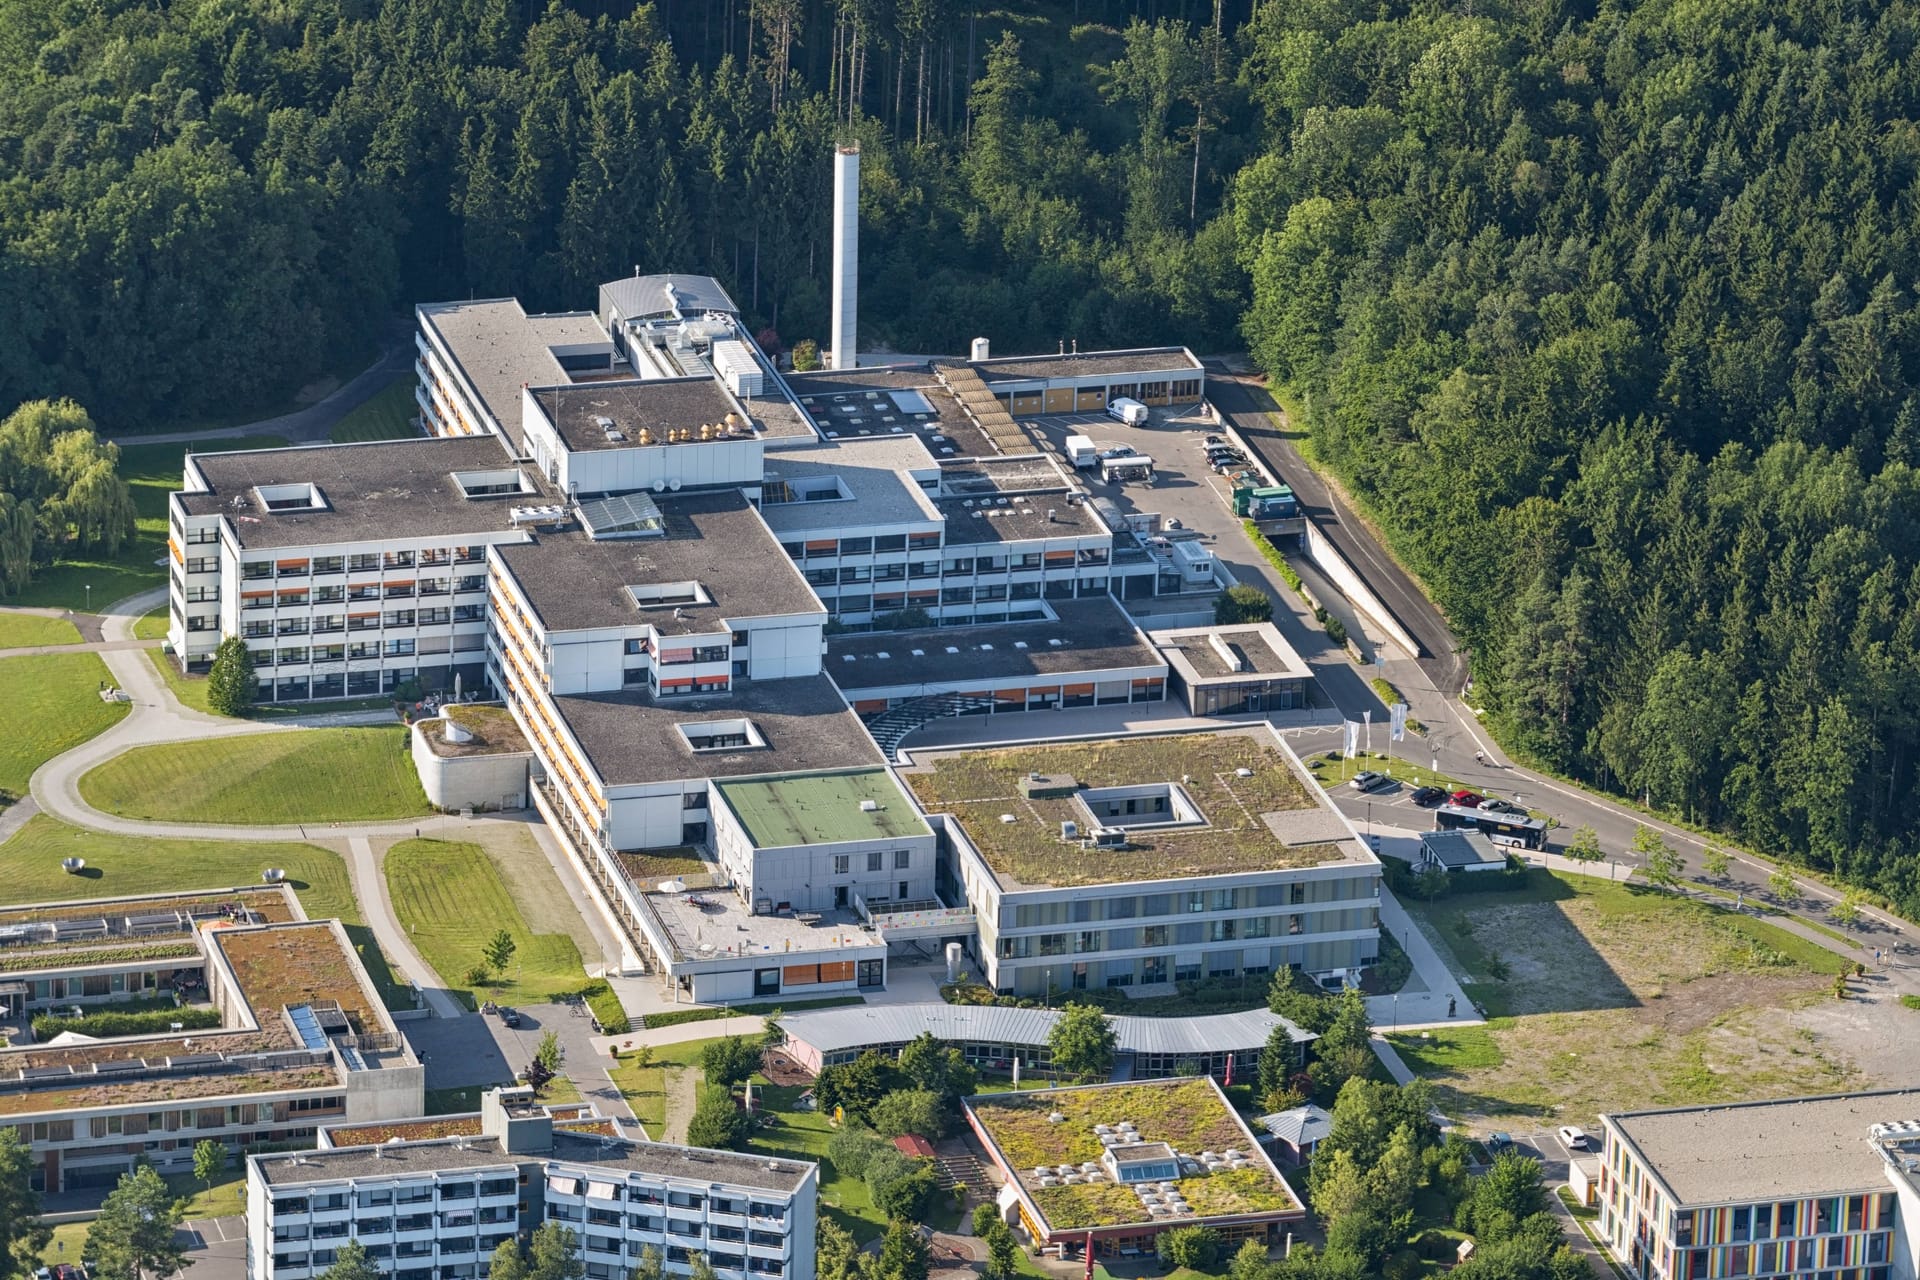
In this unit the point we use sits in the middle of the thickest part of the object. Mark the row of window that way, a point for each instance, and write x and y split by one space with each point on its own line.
1783 1219
876 861
962 567
366 562
1086 941
1193 902
262 628
1784 1255
819 548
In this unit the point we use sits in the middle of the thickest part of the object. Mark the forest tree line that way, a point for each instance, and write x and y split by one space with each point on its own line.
1605 310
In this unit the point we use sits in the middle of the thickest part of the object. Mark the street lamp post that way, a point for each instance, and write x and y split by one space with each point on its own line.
1396 1011
89 587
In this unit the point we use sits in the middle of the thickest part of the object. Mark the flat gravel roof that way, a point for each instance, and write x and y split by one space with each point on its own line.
633 738
1787 1150
714 538
655 405
1094 634
383 490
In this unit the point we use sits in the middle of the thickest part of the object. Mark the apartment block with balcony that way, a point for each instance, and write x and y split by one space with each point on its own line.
350 570
1825 1187
435 1209
1146 861
301 1036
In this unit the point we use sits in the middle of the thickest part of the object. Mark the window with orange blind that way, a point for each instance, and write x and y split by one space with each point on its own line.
293 566
1059 557
838 971
1076 690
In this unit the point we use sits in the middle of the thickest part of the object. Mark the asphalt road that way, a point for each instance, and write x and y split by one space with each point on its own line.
1246 404
1456 743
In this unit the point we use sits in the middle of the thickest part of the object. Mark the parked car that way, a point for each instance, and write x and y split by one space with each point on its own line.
1368 780
1574 1138
1466 799
1117 451
1213 439
1427 797
1498 1142
509 1016
1500 806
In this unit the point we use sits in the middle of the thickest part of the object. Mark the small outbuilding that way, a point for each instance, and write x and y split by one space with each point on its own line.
1460 852
1297 1131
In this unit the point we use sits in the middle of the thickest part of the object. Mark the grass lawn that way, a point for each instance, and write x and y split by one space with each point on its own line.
387 416
226 1198
188 691
152 471
1605 995
152 626
52 705
307 775
802 1135
116 865
27 630
644 1088
68 1243
452 898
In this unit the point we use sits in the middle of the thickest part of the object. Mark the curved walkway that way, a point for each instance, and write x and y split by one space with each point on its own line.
157 717
313 424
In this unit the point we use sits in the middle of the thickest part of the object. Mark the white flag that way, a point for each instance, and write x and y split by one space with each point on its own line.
1353 738
1399 711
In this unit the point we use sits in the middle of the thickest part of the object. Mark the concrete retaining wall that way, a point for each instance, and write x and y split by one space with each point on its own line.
485 782
1330 562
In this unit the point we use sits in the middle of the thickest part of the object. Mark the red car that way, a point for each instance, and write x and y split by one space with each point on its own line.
1465 799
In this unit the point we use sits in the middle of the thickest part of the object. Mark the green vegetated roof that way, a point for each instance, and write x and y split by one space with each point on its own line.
979 787
822 808
1188 1115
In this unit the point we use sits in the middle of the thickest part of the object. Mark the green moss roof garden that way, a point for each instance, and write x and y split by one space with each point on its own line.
1189 1115
822 808
1270 819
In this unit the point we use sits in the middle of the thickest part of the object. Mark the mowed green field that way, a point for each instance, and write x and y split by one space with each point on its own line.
27 630
152 626
306 775
452 899
119 865
152 471
52 705
388 415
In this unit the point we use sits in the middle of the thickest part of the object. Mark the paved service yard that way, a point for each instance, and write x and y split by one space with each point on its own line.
1184 489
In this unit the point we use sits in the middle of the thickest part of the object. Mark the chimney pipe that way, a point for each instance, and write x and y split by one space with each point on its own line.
1076 346
846 256
1062 348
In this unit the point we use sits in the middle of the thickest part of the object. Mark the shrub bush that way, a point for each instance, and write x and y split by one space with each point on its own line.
607 1009
108 1025
1336 630
1194 1247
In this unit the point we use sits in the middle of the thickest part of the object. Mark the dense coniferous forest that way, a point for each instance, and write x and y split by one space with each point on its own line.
1605 310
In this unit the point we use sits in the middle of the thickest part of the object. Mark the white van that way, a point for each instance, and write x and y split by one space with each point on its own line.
1131 412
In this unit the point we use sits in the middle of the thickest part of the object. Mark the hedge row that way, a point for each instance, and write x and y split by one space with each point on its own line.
108 1025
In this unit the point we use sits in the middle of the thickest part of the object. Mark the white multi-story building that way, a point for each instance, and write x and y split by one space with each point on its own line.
436 1209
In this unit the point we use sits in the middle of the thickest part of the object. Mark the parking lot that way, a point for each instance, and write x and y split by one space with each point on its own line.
1183 488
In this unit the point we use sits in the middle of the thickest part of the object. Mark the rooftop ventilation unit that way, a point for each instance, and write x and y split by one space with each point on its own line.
869 806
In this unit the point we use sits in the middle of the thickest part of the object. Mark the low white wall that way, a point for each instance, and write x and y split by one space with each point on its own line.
1341 574
494 781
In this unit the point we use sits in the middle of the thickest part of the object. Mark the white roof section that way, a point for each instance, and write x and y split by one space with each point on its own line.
1299 1126
641 296
835 1030
875 474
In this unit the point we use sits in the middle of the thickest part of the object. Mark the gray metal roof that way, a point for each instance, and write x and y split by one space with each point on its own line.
1300 1125
1455 850
838 1030
648 296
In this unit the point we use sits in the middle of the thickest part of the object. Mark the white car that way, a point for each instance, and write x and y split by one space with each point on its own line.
1574 1138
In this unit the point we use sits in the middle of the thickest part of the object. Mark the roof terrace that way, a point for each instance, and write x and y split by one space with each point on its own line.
1186 805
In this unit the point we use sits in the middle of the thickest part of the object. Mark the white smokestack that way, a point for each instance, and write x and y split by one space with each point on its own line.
846 256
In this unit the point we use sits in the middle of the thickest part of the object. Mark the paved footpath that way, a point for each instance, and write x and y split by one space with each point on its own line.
156 717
